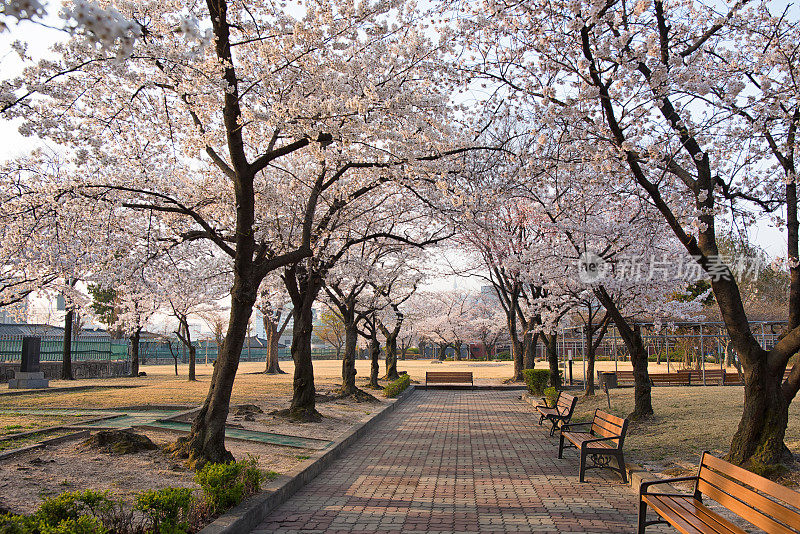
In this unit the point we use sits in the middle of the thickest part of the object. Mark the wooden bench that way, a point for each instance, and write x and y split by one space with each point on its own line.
757 500
657 379
671 379
713 376
732 379
602 441
625 377
449 377
560 413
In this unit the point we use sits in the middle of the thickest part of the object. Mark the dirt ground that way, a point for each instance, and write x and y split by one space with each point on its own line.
25 480
688 420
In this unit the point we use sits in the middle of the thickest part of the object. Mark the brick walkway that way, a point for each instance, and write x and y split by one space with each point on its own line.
458 461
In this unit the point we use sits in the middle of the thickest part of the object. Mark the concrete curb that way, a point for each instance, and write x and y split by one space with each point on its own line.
67 389
250 513
52 441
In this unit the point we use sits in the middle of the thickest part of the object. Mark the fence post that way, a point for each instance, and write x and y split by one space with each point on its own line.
702 355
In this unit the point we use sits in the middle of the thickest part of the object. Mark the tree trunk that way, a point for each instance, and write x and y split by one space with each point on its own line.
349 359
303 405
758 443
66 354
391 357
375 353
186 340
529 351
643 401
442 351
517 353
192 363
552 359
457 351
206 441
516 347
632 337
590 347
271 330
135 351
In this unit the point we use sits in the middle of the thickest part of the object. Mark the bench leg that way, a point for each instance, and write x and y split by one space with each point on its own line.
541 420
642 516
561 446
555 426
583 465
621 465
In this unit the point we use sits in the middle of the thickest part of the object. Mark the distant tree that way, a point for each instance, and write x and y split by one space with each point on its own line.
104 307
331 330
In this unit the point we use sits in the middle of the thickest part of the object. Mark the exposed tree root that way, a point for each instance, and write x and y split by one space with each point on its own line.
299 415
356 394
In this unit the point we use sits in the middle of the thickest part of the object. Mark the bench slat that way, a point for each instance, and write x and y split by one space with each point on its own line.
690 516
720 490
448 377
751 479
753 499
577 438
762 502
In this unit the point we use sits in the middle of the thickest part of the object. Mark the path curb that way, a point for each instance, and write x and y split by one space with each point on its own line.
248 515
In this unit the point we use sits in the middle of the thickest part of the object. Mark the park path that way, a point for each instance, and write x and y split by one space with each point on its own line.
458 461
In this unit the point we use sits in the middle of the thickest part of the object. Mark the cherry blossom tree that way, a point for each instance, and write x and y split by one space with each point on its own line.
190 283
444 319
370 210
348 289
397 280
192 138
661 91
272 302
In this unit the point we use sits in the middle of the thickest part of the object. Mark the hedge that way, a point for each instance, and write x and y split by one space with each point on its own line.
536 380
396 387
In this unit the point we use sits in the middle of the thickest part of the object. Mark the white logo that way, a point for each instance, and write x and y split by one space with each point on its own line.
591 268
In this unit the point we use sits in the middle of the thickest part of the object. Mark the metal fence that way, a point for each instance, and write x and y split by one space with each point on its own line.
160 352
52 348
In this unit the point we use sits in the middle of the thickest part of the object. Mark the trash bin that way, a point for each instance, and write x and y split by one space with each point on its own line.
607 378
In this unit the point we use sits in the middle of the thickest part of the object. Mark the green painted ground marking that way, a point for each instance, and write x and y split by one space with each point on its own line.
253 435
155 419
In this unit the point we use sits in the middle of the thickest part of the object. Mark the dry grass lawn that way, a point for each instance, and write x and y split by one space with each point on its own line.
688 420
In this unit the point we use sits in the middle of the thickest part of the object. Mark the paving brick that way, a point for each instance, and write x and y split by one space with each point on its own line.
458 461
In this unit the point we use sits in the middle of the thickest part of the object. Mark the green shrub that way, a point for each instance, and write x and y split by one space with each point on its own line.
536 380
225 485
503 356
17 524
551 395
74 512
84 524
71 505
396 387
167 508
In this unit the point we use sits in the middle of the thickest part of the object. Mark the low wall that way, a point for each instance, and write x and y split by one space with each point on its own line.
80 369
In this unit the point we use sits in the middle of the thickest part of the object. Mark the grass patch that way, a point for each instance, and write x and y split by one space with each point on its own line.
687 421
